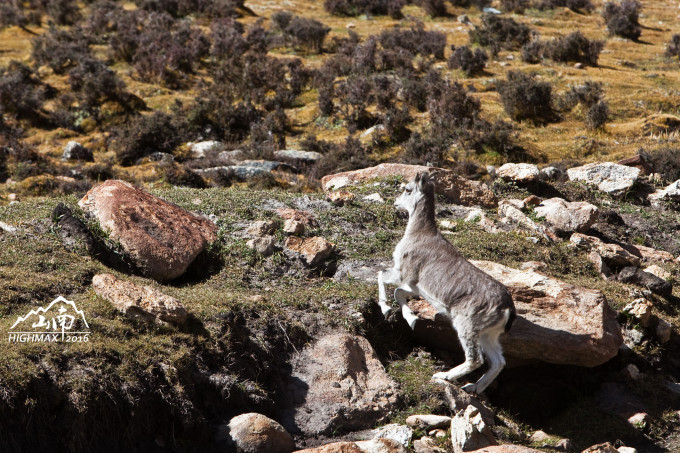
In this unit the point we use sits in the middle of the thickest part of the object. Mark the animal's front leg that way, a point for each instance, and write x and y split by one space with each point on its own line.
402 294
389 277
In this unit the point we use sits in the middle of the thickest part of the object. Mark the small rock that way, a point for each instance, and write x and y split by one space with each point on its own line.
614 255
255 433
351 25
564 445
638 277
141 302
293 227
12 197
308 157
231 156
633 371
607 176
601 448
469 431
664 330
520 173
639 420
374 197
426 445
671 192
463 19
626 450
428 422
566 217
539 266
75 151
341 197
539 437
578 66
264 245
263 227
532 200
641 309
659 272
367 446
162 157
199 150
314 250
396 432
638 161
550 173
599 263
304 217
7 228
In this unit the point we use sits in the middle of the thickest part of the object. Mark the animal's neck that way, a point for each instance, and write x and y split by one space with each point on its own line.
422 217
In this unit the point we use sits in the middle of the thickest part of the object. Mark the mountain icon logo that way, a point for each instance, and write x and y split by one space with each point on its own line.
60 321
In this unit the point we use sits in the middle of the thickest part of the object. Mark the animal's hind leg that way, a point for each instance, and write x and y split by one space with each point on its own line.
401 294
492 349
473 355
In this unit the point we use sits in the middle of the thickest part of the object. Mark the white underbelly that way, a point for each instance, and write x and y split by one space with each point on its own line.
437 304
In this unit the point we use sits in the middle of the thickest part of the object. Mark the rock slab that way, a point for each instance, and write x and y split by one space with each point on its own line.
447 183
142 302
256 433
556 322
566 217
607 176
161 238
338 382
366 446
469 431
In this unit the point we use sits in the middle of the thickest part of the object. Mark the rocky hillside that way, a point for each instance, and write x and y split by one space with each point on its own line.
227 302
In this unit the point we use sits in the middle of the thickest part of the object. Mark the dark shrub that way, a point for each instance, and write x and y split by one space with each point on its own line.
14 12
673 47
574 47
357 7
524 97
515 6
426 149
415 40
227 39
355 95
63 12
182 8
103 20
60 49
597 116
307 33
532 52
414 90
622 18
453 109
22 94
214 116
350 155
574 5
281 19
435 8
478 3
587 94
179 175
497 137
667 162
145 135
95 83
497 32
472 63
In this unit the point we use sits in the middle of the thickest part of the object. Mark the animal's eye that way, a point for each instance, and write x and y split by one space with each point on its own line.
407 190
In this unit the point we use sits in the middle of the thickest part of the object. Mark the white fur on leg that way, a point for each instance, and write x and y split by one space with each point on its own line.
401 295
386 277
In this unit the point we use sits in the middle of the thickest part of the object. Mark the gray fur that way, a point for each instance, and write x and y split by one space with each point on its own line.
427 265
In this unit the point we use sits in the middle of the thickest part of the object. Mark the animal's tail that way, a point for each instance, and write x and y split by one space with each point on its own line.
510 315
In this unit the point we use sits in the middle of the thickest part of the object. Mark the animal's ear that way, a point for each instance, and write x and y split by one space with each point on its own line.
417 178
424 179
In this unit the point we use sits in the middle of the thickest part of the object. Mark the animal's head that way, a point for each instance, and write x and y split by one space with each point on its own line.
421 188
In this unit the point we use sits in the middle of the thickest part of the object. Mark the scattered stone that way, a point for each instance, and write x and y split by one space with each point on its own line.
671 192
469 431
538 266
7 228
599 264
264 245
648 254
428 422
304 217
640 309
556 322
532 200
632 337
614 255
458 400
293 227
341 197
507 448
339 382
659 272
75 151
314 250
539 437
447 183
256 433
635 276
626 450
550 173
374 197
231 156
161 238
607 176
263 227
578 65
366 446
638 161
162 157
372 134
664 330
395 432
199 150
464 19
248 169
564 445
140 302
633 371
639 420
307 157
427 445
520 173
13 197
601 448
566 217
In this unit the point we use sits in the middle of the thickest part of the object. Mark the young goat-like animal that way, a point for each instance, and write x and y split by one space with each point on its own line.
427 265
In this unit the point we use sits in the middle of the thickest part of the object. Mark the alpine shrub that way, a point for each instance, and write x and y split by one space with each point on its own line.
673 47
524 97
60 49
597 115
145 135
435 8
358 7
472 63
307 33
622 18
574 48
415 40
497 32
